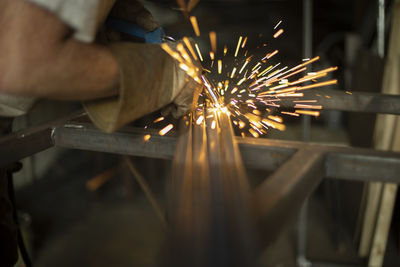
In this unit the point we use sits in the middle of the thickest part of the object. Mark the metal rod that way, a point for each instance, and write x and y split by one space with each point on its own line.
307 53
281 195
146 189
211 222
306 123
263 154
381 28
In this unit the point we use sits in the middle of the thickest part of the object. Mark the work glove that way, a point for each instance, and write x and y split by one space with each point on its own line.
149 78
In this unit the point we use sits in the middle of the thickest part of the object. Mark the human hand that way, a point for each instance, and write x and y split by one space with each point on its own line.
186 88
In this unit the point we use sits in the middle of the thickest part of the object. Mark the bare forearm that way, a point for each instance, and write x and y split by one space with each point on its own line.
38 57
77 71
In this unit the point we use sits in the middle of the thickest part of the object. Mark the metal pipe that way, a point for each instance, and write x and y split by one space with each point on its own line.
380 28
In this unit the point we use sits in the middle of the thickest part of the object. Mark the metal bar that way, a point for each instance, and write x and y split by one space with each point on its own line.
129 142
263 154
23 144
307 53
380 28
281 195
146 189
211 223
27 142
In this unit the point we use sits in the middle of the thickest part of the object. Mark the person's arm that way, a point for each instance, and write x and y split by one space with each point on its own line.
39 58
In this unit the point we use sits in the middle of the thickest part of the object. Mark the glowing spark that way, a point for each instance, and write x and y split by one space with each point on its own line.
308 112
183 52
219 66
238 46
274 124
213 124
254 133
184 67
234 90
244 42
275 118
278 33
272 54
190 47
195 25
349 93
198 52
257 112
318 84
241 124
146 137
264 71
277 25
308 106
213 41
158 120
244 66
212 55
226 85
233 72
290 113
241 81
166 129
258 64
225 50
172 53
305 101
199 119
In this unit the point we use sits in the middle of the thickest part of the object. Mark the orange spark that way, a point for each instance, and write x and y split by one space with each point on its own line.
213 41
278 33
166 129
198 52
238 46
158 120
308 112
146 137
195 25
190 47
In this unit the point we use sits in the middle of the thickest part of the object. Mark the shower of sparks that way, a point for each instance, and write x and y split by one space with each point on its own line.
166 129
257 93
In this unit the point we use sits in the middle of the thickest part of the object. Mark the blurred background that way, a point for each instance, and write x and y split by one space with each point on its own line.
82 208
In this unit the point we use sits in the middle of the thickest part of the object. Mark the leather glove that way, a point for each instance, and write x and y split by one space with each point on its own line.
149 80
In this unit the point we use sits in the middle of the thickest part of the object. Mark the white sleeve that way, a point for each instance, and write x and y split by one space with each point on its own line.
14 106
84 16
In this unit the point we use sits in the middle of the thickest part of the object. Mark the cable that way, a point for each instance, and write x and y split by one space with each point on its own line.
21 244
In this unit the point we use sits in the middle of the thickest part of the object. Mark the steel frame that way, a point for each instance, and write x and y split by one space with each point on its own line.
297 167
